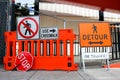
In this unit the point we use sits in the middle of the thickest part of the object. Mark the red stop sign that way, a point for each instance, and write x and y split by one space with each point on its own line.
24 61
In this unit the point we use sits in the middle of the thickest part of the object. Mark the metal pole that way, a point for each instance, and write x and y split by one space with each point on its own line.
13 19
36 7
64 24
83 61
50 16
101 15
108 63
8 27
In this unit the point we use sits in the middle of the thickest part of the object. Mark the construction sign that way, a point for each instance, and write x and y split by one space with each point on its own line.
95 34
28 27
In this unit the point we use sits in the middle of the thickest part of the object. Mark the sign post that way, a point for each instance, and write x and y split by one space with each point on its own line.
95 35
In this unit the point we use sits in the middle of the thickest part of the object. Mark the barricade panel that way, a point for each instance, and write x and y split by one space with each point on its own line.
58 47
48 54
38 48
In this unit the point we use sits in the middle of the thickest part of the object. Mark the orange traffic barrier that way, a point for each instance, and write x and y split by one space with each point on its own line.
48 54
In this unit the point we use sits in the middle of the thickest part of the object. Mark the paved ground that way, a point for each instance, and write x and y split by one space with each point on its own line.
91 73
43 75
103 74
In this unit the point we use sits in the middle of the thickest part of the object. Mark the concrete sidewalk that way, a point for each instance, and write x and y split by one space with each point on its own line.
91 73
103 74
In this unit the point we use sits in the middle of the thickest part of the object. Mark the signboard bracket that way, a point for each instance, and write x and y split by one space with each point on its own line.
95 34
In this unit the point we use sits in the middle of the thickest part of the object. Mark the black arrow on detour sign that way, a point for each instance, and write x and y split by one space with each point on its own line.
90 42
53 30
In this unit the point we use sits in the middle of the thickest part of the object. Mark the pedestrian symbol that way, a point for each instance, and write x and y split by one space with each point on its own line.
28 28
94 28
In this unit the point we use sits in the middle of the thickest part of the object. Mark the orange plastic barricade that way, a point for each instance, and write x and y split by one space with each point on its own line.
48 54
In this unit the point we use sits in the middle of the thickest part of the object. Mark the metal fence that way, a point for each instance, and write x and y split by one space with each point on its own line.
115 42
3 23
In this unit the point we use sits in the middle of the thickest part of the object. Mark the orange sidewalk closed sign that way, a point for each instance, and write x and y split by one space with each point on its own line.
95 34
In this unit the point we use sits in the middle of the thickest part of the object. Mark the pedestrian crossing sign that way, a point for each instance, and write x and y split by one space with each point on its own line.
28 27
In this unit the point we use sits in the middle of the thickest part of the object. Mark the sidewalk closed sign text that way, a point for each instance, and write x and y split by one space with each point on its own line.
100 55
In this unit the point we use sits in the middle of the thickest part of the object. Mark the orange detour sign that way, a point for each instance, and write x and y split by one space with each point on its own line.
95 34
